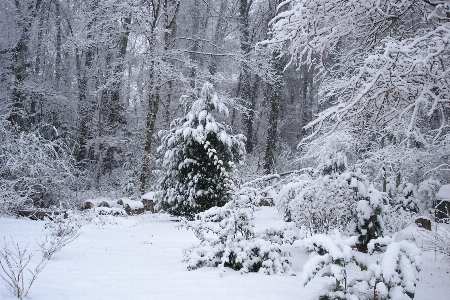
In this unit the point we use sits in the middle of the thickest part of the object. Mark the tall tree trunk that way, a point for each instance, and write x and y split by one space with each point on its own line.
154 97
170 26
19 57
275 93
85 107
152 112
113 105
58 42
195 13
219 34
246 80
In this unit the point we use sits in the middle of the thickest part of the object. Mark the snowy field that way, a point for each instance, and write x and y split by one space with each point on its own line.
140 257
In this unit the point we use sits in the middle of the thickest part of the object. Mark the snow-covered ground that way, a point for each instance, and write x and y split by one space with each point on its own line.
139 257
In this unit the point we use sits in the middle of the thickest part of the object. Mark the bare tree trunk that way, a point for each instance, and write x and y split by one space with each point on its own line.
58 42
85 109
113 104
153 106
154 97
275 93
170 26
247 93
19 57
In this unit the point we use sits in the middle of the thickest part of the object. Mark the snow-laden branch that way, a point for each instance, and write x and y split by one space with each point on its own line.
387 62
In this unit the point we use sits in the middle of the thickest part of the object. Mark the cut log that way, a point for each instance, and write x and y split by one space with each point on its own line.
149 205
87 205
40 215
424 223
103 204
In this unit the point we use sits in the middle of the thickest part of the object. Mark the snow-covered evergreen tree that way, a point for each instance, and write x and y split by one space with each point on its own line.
199 154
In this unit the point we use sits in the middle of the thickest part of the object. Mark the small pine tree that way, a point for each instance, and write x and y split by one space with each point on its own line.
199 154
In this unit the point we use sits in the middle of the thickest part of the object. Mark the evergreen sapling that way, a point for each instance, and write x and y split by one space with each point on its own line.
199 155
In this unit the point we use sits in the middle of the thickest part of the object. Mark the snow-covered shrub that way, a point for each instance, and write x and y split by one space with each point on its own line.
414 198
391 274
334 198
405 197
426 191
407 201
322 205
289 192
199 154
397 219
369 214
228 239
32 169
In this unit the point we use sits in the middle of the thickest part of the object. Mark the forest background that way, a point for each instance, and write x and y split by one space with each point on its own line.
87 85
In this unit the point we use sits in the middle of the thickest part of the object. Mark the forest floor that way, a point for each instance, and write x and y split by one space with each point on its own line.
140 257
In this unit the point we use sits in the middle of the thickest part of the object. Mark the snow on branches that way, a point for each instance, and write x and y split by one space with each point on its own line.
199 154
393 274
33 170
385 63
228 239
334 198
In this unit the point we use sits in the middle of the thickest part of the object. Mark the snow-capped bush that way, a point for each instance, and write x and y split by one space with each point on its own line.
199 154
389 275
33 170
411 197
407 201
228 239
334 198
369 214
397 219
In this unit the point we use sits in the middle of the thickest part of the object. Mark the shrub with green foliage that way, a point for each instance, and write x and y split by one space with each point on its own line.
228 239
390 274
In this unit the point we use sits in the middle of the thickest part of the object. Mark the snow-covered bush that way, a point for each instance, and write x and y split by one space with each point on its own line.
411 197
396 220
393 274
334 198
320 205
228 239
407 201
32 169
369 214
199 154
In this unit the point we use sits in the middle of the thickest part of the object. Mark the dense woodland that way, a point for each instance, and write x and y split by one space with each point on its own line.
89 84
336 112
86 86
